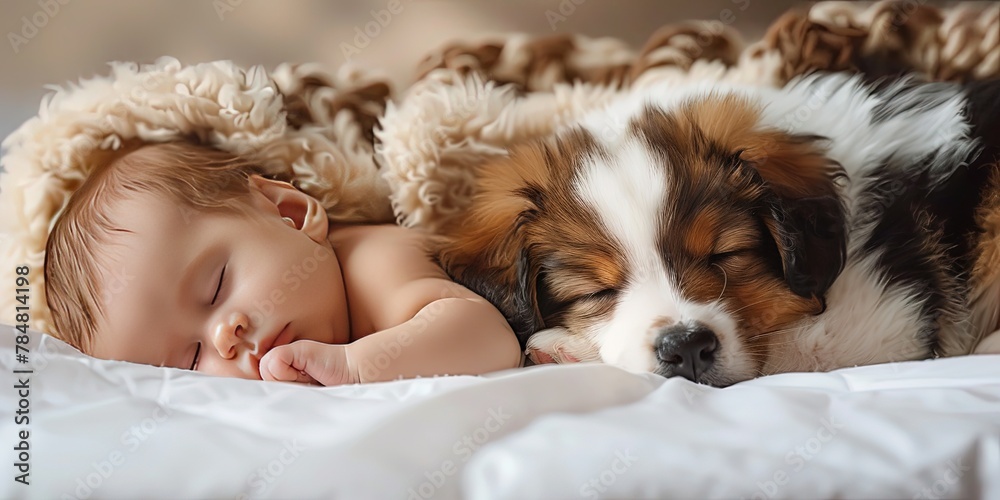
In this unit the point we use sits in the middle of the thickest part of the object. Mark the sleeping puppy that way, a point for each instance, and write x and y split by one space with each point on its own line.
724 233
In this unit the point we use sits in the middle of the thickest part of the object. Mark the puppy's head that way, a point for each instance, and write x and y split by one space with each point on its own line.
683 243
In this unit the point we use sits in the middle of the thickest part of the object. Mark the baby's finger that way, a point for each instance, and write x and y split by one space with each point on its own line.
279 364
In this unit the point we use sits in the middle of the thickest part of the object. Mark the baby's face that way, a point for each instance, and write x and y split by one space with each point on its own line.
215 291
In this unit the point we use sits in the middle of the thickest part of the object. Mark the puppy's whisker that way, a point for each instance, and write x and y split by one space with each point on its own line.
725 281
779 344
771 333
750 305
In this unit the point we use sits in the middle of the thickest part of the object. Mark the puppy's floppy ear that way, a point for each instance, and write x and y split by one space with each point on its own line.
489 249
803 209
802 204
507 278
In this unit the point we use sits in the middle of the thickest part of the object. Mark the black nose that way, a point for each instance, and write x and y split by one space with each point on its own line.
687 350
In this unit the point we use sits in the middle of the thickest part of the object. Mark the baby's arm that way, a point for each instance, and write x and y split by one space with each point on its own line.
460 333
449 336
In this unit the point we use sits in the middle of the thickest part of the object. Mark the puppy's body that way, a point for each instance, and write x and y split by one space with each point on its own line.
722 233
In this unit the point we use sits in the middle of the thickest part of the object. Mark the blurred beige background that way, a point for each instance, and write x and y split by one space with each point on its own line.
67 39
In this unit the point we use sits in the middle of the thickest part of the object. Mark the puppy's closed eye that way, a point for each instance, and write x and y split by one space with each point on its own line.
603 294
718 258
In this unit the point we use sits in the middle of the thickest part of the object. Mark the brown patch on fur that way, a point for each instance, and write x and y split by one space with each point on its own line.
985 276
791 165
807 219
522 213
700 237
986 269
584 270
583 315
766 306
737 236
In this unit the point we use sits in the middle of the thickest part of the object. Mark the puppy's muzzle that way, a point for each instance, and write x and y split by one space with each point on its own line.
686 350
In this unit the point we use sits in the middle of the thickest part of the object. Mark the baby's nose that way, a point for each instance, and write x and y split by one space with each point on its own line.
230 333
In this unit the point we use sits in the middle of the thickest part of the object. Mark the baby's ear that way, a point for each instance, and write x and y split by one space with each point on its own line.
306 212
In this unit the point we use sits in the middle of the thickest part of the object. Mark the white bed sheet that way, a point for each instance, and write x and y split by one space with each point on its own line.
102 429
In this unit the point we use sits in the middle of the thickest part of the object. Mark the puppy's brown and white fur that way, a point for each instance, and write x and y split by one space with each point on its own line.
722 233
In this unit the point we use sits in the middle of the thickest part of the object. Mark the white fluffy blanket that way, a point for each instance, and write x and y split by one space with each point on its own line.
927 429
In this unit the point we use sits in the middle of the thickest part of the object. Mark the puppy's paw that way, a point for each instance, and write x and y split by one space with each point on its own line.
559 345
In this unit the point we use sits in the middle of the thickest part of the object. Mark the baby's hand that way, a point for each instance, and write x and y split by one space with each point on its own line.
308 361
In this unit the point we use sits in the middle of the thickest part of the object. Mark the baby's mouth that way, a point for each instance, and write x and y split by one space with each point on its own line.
269 342
250 358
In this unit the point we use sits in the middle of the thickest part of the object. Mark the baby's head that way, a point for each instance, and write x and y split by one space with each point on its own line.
173 252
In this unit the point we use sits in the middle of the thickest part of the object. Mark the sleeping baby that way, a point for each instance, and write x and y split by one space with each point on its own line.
176 255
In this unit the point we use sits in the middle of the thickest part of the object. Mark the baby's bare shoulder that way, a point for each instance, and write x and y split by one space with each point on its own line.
375 233
384 249
381 237
389 272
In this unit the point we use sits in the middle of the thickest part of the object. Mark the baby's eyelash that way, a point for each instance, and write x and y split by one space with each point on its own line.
197 352
223 275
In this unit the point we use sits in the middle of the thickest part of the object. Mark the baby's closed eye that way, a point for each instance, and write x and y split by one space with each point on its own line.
218 287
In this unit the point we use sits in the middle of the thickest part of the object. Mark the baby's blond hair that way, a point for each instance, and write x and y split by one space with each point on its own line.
195 177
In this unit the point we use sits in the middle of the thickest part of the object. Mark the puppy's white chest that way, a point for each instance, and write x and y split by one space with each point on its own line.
867 321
